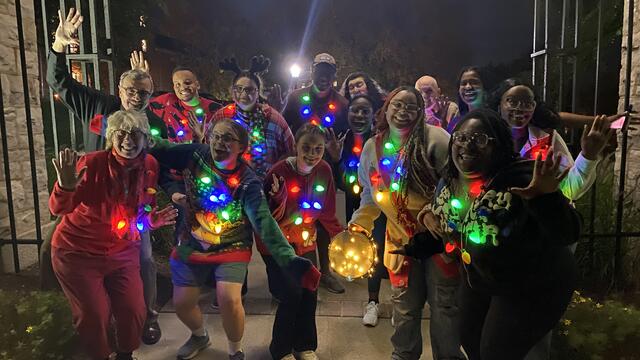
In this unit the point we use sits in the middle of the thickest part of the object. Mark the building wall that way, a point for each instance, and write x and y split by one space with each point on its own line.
18 146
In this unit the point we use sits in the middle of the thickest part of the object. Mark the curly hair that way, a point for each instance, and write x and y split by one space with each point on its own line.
128 120
498 129
375 92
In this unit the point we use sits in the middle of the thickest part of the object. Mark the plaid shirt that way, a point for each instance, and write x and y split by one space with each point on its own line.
279 141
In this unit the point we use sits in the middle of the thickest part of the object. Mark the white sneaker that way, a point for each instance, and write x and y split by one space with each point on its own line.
308 355
289 357
370 317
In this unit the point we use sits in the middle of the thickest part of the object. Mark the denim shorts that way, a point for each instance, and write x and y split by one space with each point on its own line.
197 275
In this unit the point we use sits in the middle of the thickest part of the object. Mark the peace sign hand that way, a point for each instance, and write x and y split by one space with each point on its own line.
138 62
65 166
544 179
335 144
276 185
67 27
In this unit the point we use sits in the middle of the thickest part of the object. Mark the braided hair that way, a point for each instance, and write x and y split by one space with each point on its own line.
418 165
259 66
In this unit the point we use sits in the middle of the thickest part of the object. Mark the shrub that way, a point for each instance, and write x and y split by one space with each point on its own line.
35 325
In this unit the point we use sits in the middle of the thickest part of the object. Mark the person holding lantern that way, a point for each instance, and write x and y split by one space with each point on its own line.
399 169
106 199
224 205
301 192
344 154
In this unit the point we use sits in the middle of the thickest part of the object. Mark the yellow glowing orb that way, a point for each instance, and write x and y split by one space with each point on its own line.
352 255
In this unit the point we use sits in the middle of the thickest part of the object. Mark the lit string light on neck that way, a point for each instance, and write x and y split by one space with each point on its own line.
254 122
179 130
323 119
351 164
310 203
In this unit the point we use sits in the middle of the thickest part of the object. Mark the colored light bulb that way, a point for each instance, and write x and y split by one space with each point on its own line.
155 132
148 208
121 224
449 247
225 215
356 150
140 226
234 181
217 228
213 198
356 189
379 196
317 206
456 204
222 197
199 111
308 220
395 186
306 111
298 220
388 146
476 238
386 162
305 235
151 191
205 180
332 106
319 188
352 179
399 170
180 133
328 119
466 257
258 149
353 163
306 98
305 205
295 189
255 133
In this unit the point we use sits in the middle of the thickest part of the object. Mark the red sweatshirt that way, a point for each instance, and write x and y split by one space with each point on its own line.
109 205
300 202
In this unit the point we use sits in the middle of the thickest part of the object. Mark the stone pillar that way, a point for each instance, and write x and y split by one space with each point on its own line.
18 146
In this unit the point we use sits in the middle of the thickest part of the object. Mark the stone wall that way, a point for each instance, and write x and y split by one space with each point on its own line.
18 147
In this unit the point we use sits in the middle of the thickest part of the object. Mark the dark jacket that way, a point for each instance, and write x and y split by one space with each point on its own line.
335 106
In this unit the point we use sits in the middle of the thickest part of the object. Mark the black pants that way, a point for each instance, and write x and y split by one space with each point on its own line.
380 271
506 327
294 328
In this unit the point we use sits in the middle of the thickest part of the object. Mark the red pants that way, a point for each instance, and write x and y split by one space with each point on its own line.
97 287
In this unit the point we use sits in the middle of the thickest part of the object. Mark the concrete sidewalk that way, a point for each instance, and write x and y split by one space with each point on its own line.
341 334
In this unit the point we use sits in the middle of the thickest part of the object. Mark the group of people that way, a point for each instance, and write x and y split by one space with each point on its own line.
469 202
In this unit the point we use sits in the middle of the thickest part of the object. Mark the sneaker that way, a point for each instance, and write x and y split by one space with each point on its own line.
237 356
151 333
125 356
289 357
329 282
308 355
214 304
193 346
370 317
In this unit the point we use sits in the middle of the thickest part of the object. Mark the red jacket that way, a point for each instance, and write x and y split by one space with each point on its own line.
174 114
108 207
300 202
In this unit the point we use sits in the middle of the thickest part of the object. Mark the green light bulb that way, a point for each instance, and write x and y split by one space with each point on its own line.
256 133
205 180
155 132
319 188
476 238
352 179
456 204
199 111
306 98
388 146
225 215
298 220
395 186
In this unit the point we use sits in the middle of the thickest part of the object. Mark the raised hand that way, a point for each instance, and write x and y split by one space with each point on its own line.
595 139
65 33
197 127
65 166
335 144
276 185
545 178
138 62
275 98
164 217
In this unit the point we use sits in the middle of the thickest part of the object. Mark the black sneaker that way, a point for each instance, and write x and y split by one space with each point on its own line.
193 346
151 333
237 356
329 282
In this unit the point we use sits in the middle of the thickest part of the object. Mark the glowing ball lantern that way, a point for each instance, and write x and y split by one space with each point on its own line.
352 255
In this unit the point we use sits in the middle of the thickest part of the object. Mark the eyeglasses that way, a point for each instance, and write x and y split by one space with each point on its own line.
464 138
399 105
225 138
249 90
134 135
521 104
131 92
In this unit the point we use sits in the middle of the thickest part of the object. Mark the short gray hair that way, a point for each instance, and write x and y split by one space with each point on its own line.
127 120
135 75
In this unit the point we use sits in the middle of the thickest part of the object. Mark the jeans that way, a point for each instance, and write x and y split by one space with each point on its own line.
148 272
294 327
426 283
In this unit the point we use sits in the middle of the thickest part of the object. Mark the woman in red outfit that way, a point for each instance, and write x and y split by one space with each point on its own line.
105 199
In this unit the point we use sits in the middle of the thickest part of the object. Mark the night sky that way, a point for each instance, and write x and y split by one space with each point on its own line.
396 41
